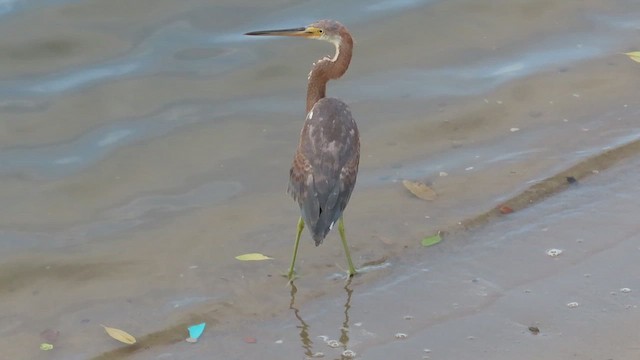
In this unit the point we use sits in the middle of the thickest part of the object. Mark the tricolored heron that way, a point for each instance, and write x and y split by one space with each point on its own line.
325 165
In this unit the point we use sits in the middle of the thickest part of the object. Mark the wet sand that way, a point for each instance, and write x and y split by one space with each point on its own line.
131 170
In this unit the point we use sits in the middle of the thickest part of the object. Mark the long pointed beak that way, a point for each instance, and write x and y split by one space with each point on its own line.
283 32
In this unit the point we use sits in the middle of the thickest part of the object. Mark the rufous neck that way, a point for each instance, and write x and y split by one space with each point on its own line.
327 69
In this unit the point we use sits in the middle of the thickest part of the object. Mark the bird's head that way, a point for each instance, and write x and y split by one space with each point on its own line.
327 30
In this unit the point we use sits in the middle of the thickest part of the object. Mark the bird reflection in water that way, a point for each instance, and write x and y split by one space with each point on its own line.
305 338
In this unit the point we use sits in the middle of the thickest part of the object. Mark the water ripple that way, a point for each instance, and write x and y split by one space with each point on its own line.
468 80
139 211
59 83
10 7
7 6
155 54
65 158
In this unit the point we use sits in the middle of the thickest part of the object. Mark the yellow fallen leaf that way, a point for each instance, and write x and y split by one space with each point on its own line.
634 55
252 257
120 335
420 190
46 346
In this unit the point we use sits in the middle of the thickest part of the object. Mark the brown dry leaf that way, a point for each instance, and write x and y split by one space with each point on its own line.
120 335
420 190
505 209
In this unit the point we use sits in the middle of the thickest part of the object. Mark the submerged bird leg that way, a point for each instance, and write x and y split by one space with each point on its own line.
290 275
352 270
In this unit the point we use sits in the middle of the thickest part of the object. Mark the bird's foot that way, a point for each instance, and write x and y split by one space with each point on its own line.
290 275
351 272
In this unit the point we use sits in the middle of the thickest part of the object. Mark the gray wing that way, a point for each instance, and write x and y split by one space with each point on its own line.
325 165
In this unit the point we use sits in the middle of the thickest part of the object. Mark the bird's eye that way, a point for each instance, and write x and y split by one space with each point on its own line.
320 31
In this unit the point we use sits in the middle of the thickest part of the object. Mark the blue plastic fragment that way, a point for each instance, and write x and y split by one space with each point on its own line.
196 330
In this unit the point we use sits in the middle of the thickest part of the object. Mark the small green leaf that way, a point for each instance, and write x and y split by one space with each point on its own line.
46 346
252 257
431 240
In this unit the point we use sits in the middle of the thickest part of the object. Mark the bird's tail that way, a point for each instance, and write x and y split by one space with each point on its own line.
318 238
321 228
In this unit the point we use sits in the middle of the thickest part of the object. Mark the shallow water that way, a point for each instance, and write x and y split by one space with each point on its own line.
143 146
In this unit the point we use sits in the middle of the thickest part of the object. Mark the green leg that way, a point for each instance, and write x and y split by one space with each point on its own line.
295 247
352 270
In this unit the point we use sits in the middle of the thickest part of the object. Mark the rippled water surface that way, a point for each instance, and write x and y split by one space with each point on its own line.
143 145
